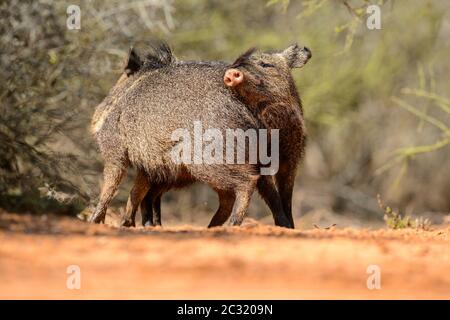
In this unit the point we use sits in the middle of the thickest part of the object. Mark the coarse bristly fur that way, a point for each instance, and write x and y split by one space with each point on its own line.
155 55
159 95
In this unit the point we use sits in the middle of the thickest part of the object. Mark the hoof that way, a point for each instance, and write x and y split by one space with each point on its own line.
284 222
96 219
148 224
127 223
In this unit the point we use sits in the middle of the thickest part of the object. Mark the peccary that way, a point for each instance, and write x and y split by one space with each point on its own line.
264 82
153 56
126 135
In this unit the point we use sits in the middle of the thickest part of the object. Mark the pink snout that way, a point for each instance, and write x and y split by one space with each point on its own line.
233 77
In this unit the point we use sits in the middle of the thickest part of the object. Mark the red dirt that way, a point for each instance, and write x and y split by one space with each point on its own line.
185 262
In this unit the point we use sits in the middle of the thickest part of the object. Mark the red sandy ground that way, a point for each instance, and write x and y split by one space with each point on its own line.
253 261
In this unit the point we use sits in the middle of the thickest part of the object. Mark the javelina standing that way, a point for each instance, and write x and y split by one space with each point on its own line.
248 79
264 82
153 56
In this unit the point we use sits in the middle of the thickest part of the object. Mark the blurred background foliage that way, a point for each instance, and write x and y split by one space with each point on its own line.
376 101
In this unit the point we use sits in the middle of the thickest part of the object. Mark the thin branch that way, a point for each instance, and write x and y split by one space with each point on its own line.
422 115
350 9
442 102
411 151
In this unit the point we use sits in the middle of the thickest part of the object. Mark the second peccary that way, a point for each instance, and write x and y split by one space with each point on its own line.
126 123
264 82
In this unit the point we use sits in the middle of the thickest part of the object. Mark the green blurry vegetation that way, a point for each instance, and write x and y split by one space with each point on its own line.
395 220
406 153
375 126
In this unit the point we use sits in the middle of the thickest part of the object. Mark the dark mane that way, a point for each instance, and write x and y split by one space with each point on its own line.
159 55
201 63
155 56
134 62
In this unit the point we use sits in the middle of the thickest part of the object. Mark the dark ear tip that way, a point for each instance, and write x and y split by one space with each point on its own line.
243 57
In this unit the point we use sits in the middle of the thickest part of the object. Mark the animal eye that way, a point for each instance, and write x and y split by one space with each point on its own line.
266 65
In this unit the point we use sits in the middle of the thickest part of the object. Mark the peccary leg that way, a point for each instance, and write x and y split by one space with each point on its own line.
226 201
137 194
285 182
147 210
112 175
157 209
243 196
151 209
268 191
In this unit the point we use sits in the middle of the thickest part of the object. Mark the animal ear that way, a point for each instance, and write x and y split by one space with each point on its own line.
134 62
243 58
295 56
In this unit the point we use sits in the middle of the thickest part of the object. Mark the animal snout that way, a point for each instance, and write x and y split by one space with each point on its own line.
307 52
233 77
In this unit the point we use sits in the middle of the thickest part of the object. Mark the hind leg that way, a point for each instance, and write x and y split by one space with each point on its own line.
226 201
137 194
112 175
240 207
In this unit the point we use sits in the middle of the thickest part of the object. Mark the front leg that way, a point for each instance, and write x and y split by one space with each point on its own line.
285 182
157 209
151 207
268 191
147 209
